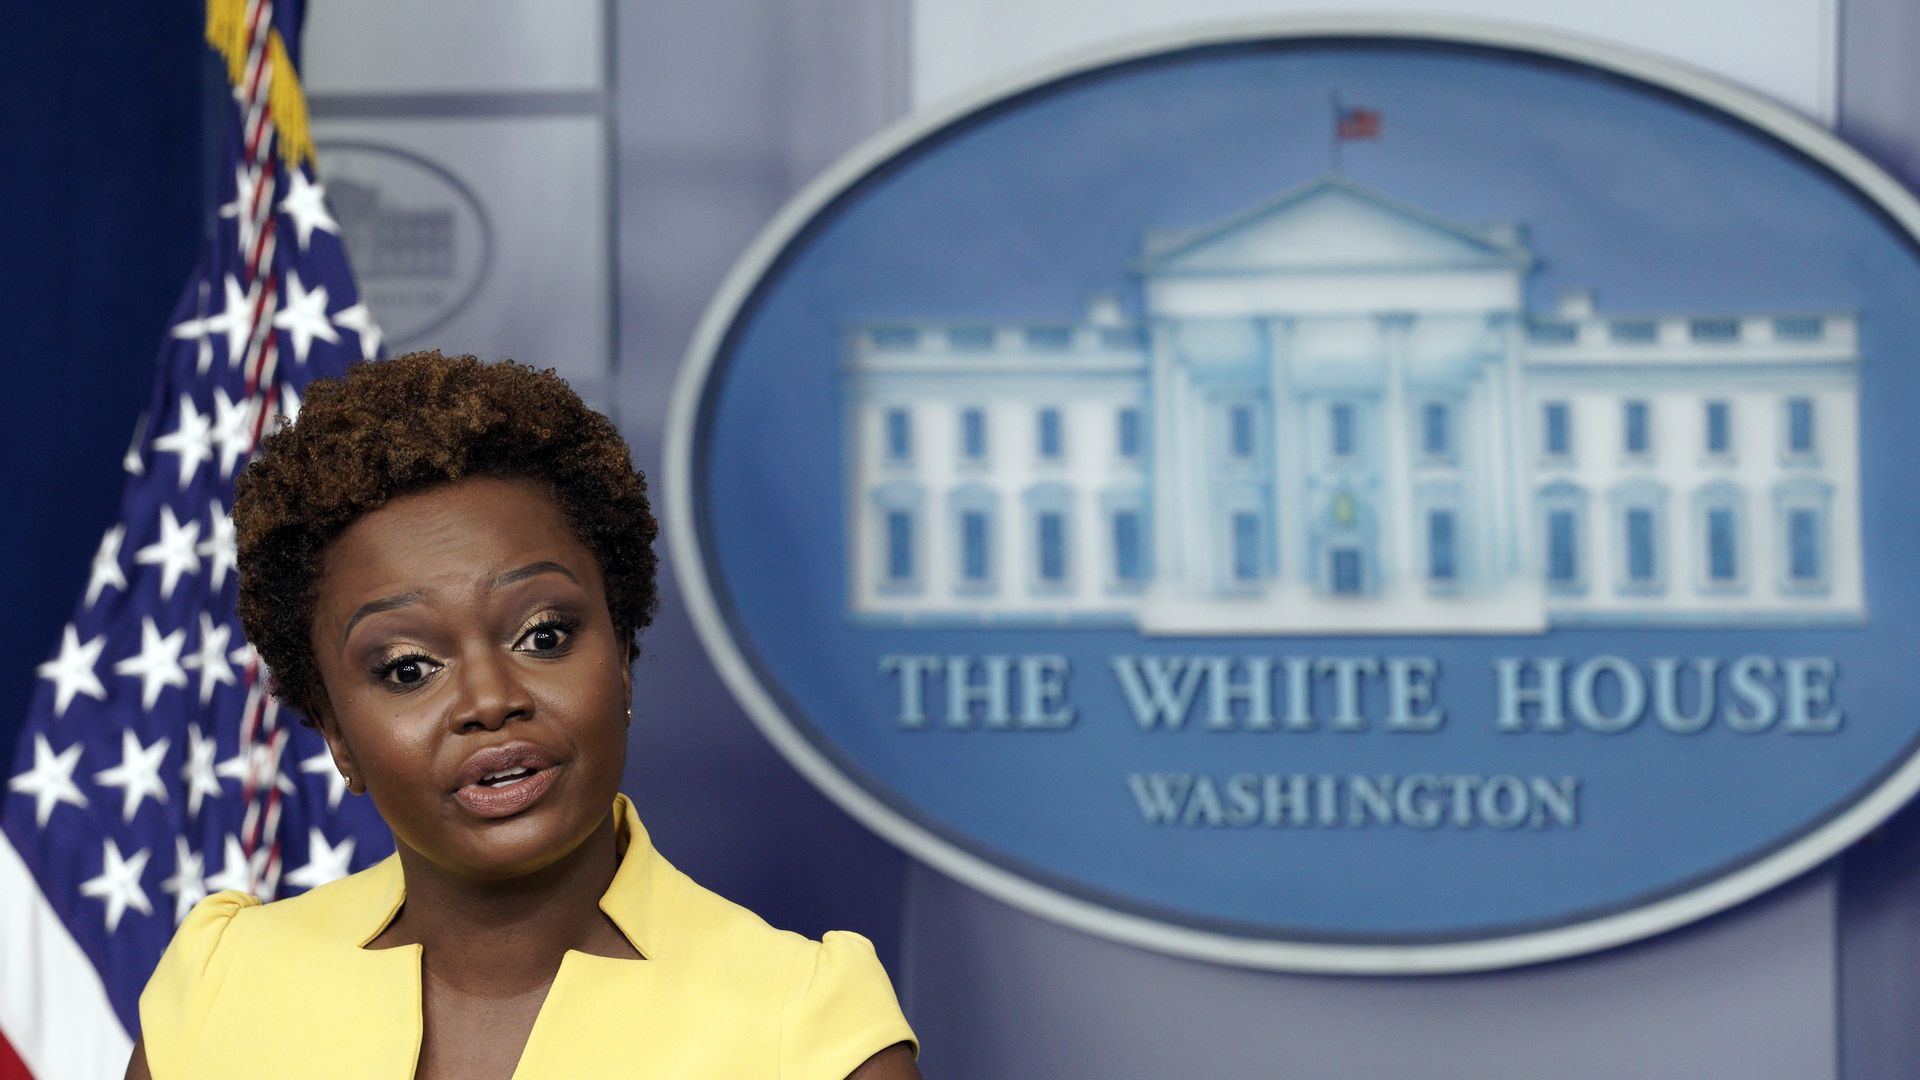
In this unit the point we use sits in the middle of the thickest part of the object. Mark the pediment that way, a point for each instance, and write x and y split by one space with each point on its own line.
1333 225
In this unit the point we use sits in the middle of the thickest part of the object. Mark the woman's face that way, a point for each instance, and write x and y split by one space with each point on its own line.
476 687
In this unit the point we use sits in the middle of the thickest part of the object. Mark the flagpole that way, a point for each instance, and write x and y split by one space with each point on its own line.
1333 131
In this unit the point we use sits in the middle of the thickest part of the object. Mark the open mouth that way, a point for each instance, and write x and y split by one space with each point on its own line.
506 777
506 792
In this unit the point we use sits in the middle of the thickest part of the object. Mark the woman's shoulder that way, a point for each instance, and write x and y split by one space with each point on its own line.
834 1002
230 928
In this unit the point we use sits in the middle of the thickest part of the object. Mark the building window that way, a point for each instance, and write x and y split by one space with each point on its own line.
1346 571
1719 428
1640 546
895 338
1049 433
1052 338
1799 426
1341 416
970 338
1128 567
1436 438
1240 431
1803 546
895 565
973 546
1563 528
1557 422
1128 434
1050 529
1640 508
1634 332
973 434
1246 546
1440 538
1049 509
899 546
1715 329
1802 507
1799 328
899 435
973 512
1636 434
1563 547
1723 561
1130 554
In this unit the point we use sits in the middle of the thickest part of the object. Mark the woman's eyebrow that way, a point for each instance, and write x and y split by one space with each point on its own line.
375 607
533 570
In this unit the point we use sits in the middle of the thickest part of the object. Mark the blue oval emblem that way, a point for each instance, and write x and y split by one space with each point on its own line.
1334 497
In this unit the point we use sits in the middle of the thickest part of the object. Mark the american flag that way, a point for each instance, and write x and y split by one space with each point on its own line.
153 768
1353 123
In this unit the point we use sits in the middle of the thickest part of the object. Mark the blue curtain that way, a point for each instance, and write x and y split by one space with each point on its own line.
104 184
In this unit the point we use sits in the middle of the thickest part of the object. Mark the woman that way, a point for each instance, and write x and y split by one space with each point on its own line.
446 564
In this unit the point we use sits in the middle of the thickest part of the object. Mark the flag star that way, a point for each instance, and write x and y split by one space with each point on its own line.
239 871
243 189
243 654
306 204
50 781
191 442
72 671
137 775
119 884
235 320
219 545
200 331
359 320
174 552
133 461
232 429
189 881
262 760
198 771
289 405
106 565
210 659
157 664
324 862
322 763
303 315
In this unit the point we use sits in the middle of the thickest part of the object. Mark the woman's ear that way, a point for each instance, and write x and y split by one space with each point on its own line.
322 714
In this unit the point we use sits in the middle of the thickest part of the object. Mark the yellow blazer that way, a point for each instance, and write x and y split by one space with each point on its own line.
286 990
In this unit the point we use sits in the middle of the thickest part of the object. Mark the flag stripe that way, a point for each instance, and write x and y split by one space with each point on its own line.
11 1067
53 1005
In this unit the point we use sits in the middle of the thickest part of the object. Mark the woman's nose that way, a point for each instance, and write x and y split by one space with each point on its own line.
491 693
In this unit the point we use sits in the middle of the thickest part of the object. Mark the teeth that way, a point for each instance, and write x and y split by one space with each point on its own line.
507 776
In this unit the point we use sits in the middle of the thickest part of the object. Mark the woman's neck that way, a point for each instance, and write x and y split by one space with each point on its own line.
507 938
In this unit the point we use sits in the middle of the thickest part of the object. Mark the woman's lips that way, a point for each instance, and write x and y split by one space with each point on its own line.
506 800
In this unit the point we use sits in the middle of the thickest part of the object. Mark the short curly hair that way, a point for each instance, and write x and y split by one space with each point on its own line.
404 425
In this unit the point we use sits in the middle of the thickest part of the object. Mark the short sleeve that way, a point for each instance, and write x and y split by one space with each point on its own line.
840 1010
178 997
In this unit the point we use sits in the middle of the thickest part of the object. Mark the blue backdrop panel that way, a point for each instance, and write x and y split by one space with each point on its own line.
104 179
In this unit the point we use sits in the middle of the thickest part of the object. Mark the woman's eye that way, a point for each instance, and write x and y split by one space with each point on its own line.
546 637
407 670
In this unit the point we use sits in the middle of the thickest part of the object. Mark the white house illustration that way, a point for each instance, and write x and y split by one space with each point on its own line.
1336 415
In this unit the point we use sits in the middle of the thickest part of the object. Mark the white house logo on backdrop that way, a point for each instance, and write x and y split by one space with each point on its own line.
1334 413
419 237
1489 549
